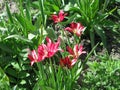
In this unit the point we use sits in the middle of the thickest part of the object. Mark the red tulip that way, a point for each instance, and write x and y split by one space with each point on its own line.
32 55
52 48
59 17
76 51
48 50
44 51
67 62
76 28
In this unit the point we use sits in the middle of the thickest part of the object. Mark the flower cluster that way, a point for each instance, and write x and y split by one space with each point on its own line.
48 50
44 51
74 54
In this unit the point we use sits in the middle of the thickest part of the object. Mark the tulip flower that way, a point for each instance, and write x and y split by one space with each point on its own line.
76 51
44 51
32 55
59 17
67 62
50 49
76 28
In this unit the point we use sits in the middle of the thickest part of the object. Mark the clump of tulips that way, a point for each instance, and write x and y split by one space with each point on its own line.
54 75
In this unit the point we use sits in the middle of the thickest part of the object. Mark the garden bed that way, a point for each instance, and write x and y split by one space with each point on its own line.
59 45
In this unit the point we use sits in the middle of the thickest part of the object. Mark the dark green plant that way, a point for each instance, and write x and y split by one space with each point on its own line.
93 14
17 34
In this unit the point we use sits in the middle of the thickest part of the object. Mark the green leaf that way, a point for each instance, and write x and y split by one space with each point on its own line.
24 22
70 19
9 13
51 33
23 74
16 65
28 13
5 48
38 22
94 8
18 37
31 36
35 4
67 7
39 87
36 86
4 81
102 35
12 72
117 0
46 88
108 23
118 11
21 7
41 3
52 6
56 8
106 2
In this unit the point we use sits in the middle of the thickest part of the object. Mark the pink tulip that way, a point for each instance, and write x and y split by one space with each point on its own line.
44 51
76 28
32 55
66 62
50 49
76 51
59 17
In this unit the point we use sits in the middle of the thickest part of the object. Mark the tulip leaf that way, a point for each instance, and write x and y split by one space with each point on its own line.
70 19
118 11
12 72
24 22
17 37
101 33
51 33
9 13
31 36
39 86
4 81
35 4
28 13
42 11
46 88
5 48
23 74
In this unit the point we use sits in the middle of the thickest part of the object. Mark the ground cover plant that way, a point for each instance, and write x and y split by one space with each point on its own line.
103 74
59 45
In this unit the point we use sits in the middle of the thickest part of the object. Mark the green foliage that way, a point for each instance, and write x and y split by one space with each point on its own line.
32 23
93 16
54 78
102 74
4 81
17 35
